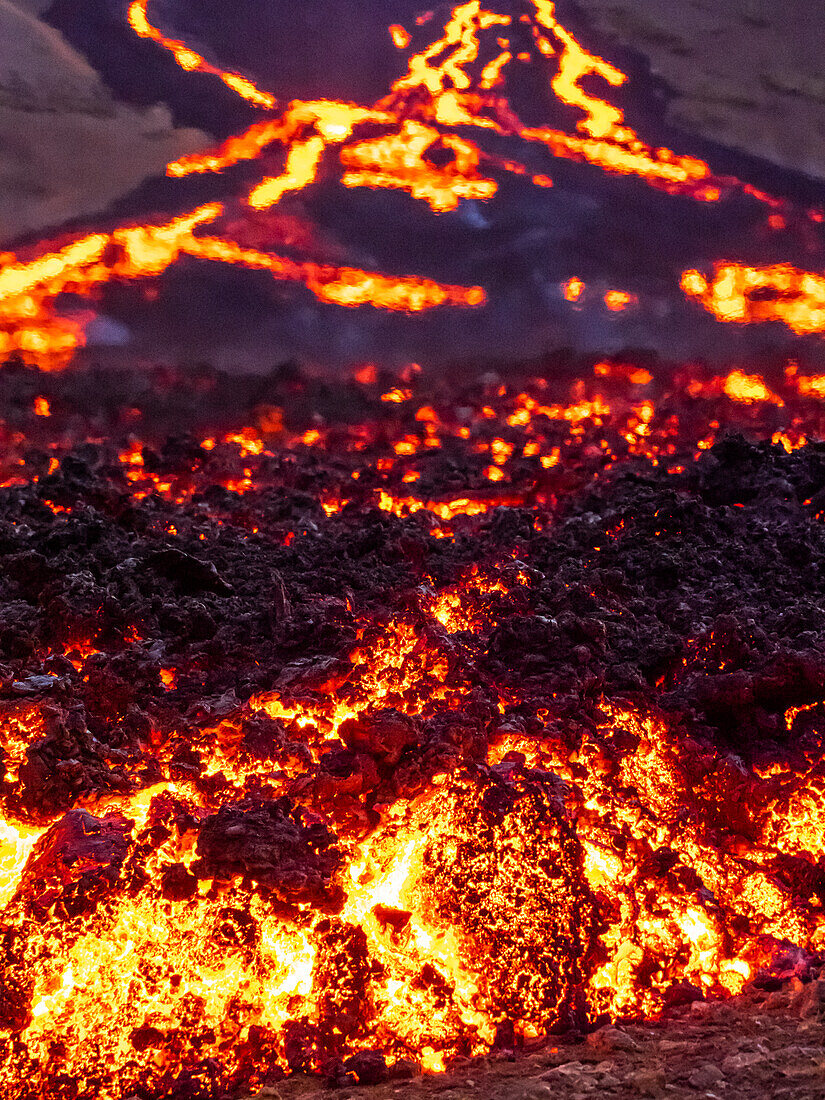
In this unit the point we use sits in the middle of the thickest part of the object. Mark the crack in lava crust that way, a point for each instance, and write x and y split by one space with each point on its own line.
351 726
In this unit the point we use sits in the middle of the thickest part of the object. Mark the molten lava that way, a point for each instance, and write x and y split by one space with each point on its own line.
747 295
423 139
325 750
350 727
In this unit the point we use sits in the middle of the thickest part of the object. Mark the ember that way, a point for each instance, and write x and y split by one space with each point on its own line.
311 764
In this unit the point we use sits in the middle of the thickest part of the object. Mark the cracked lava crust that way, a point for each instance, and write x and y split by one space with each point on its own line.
354 726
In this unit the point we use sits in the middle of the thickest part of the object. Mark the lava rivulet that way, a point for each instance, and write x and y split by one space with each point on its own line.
424 138
743 294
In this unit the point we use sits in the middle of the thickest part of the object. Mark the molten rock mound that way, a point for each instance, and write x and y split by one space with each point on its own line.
353 726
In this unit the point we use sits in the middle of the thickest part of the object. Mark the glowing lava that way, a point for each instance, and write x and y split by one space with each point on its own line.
744 295
408 841
408 142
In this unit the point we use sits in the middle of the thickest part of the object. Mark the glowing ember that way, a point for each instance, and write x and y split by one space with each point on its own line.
748 388
327 750
618 300
573 289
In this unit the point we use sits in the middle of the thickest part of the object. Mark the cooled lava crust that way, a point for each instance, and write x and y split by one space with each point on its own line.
353 725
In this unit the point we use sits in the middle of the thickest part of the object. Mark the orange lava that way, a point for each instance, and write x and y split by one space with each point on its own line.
406 142
573 289
619 300
122 995
750 295
748 388
191 61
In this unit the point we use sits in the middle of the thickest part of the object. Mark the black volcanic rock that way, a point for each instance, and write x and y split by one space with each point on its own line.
77 862
272 845
187 573
295 688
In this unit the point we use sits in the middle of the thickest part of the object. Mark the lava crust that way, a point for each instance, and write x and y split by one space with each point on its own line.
355 726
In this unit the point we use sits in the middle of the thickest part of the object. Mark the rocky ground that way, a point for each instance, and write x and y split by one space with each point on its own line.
761 1044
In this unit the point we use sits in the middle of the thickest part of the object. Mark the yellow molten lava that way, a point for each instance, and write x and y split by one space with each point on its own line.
742 294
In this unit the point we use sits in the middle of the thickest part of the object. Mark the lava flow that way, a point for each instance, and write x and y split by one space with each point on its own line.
425 138
349 727
353 726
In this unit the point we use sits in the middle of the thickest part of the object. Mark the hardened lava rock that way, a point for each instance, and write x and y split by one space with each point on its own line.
422 722
504 868
270 844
